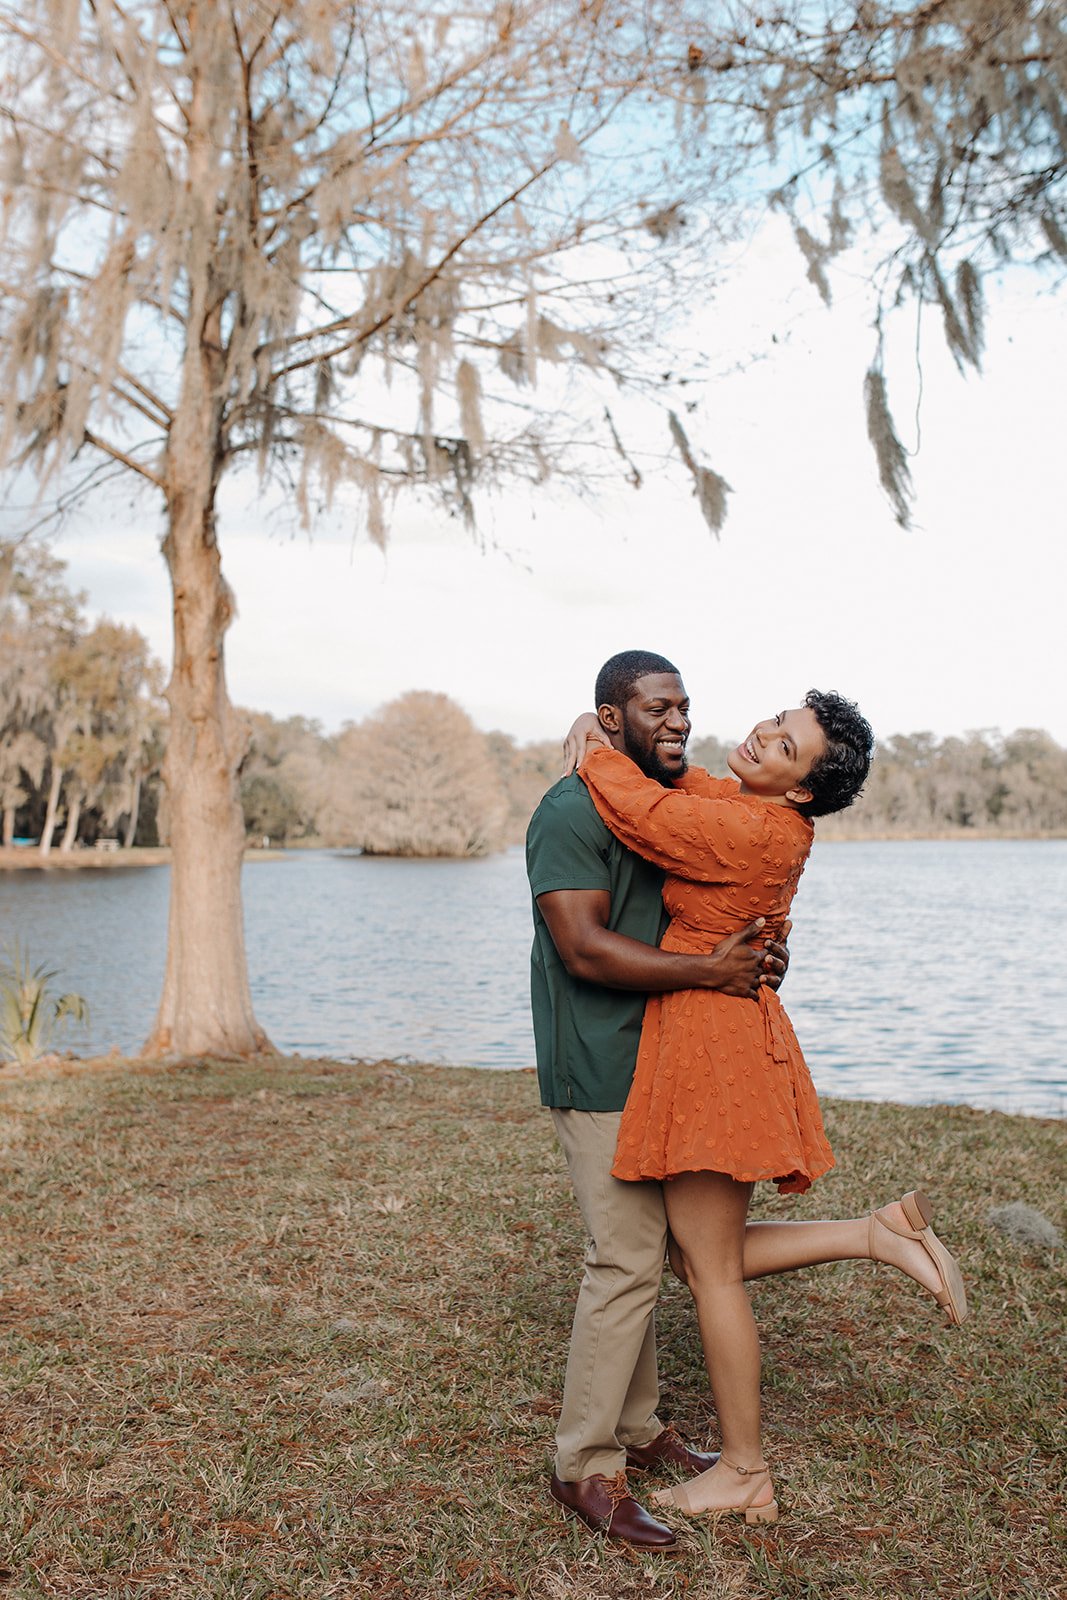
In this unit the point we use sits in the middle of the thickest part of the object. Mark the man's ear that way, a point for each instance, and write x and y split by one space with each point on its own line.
609 718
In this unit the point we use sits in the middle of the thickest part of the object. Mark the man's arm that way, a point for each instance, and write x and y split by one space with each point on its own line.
577 919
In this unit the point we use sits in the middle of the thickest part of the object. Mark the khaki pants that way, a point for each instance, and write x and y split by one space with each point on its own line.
612 1386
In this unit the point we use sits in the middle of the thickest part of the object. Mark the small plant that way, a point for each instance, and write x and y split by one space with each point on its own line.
30 1011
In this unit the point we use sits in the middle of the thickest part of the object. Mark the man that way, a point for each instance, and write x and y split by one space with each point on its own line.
598 918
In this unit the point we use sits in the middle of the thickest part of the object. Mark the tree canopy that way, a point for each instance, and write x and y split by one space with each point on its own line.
363 219
416 779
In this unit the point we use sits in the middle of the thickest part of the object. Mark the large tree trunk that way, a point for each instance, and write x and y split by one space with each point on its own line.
51 810
206 1008
70 832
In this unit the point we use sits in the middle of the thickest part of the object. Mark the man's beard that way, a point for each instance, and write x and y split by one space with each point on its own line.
648 759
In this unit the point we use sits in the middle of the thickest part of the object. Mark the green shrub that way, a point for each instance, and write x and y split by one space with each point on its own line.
30 1012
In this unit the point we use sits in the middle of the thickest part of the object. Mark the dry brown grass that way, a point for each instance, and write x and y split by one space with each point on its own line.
298 1328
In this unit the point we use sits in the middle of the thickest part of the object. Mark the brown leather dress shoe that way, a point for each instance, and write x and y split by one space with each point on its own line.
669 1449
607 1506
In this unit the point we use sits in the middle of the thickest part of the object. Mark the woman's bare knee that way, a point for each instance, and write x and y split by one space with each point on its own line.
676 1259
706 1277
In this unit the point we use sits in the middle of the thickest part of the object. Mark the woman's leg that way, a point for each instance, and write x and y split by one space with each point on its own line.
706 1212
784 1246
772 1247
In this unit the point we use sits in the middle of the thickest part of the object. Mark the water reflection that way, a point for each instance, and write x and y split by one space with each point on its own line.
921 971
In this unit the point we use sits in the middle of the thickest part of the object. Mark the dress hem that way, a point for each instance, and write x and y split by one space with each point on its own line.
796 1182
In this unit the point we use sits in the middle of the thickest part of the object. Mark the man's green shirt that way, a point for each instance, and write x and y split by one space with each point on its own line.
586 1035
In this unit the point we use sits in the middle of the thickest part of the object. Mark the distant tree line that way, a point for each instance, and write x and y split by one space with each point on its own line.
984 782
83 730
418 778
82 721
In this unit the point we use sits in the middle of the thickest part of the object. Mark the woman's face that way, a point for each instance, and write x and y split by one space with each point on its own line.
778 755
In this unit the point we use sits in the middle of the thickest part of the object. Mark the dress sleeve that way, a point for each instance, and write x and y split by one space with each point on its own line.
698 780
714 836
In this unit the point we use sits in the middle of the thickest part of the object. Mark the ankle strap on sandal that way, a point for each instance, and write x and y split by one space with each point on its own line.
746 1472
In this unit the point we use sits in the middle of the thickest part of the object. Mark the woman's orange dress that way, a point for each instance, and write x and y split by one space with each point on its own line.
720 1084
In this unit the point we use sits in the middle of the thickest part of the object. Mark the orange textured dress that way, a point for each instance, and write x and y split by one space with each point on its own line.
721 1084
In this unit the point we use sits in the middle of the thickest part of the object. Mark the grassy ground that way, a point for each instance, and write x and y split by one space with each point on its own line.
297 1329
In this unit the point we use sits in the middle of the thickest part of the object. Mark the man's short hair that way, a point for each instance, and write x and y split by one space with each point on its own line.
616 679
838 776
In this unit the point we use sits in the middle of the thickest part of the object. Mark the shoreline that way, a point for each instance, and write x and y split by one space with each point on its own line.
23 858
67 1066
943 836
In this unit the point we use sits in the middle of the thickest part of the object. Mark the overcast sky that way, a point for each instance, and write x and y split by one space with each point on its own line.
957 624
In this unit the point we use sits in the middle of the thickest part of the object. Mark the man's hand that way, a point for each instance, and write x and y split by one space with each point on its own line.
776 959
577 919
734 967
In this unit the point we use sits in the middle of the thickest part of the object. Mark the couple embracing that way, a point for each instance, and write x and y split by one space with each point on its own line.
661 901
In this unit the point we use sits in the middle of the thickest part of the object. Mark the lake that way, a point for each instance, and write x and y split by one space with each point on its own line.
921 971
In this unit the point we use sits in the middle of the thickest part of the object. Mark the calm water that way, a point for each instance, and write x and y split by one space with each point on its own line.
921 972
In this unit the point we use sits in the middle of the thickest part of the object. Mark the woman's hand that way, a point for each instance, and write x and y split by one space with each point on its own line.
585 731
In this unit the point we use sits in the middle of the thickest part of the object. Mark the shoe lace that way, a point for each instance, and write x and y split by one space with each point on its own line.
617 1488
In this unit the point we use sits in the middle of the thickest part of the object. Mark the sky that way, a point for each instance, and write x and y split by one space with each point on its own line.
954 625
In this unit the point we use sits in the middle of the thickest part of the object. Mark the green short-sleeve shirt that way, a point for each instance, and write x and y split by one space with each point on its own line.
586 1036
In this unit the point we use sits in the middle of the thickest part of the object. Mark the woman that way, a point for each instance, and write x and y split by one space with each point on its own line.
721 1096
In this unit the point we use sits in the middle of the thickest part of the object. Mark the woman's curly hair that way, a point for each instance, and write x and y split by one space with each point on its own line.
837 778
